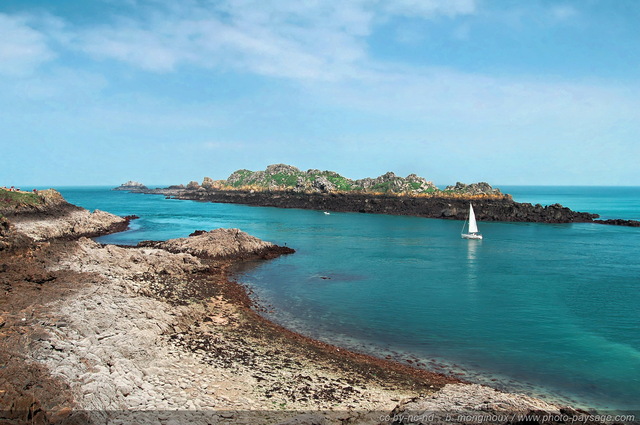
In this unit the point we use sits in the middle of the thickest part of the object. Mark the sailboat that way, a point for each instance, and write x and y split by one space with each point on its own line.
473 226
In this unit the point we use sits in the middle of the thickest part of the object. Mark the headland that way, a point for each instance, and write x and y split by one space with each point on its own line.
158 333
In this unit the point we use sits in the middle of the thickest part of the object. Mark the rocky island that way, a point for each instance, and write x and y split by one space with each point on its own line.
286 186
158 333
131 186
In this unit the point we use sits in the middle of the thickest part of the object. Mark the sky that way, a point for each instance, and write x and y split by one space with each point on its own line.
535 92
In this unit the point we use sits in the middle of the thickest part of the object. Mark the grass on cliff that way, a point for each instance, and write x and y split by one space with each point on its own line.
287 180
341 183
9 199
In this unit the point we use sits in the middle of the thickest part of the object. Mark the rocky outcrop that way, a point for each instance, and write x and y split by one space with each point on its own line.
457 208
4 233
131 186
89 257
44 202
220 244
390 183
72 225
287 177
619 222
54 218
481 188
209 183
10 238
321 184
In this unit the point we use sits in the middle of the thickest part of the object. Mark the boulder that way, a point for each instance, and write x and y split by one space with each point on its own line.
219 244
322 184
207 183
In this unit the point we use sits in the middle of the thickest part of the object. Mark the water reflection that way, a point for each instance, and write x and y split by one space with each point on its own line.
472 256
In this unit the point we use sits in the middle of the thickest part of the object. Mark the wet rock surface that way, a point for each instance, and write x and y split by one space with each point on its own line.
619 222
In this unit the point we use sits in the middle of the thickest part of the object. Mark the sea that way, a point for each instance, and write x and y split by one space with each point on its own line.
550 310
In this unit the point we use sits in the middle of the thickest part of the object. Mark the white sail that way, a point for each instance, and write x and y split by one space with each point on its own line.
473 227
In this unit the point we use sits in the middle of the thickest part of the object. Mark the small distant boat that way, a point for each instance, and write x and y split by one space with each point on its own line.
327 213
472 232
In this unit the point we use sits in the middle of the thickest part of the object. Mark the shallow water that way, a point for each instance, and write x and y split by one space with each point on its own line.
548 309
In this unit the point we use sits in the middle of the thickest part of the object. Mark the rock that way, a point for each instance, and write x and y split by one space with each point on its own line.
619 222
420 184
323 185
193 185
209 183
390 183
74 224
287 177
60 414
219 244
465 403
481 188
131 186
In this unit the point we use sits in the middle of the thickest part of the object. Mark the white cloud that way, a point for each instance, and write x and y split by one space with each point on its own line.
309 40
127 43
563 12
22 48
299 40
430 8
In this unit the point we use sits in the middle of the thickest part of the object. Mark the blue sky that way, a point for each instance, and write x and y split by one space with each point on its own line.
504 91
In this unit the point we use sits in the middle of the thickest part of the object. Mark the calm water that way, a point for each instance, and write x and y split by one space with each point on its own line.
546 309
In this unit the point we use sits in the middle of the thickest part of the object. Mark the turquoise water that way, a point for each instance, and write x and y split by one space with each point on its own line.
546 309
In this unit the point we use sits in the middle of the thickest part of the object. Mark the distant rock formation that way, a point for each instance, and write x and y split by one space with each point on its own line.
390 183
285 186
287 177
131 186
481 188
438 205
619 222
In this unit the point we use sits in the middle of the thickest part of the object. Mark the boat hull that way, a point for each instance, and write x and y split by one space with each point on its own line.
471 236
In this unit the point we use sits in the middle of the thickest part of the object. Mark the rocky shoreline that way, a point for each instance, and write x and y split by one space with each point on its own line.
158 333
454 208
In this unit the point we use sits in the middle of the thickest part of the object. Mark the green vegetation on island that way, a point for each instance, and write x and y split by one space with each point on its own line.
282 177
11 199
